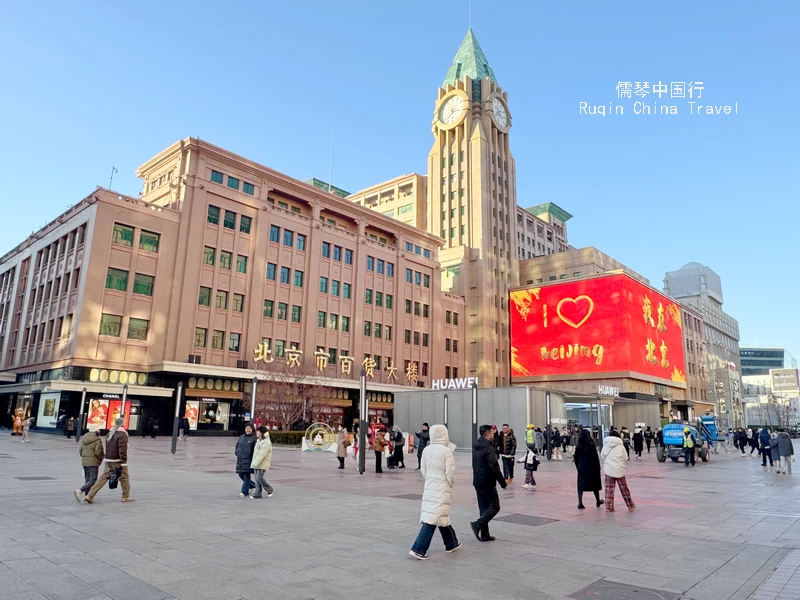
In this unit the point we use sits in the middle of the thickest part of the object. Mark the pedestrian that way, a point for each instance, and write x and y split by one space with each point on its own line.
398 440
573 440
355 439
659 437
785 451
648 437
763 439
626 440
530 437
564 441
92 455
245 447
262 458
486 475
555 441
116 470
753 440
508 449
539 441
424 438
615 465
439 471
496 440
185 426
26 426
70 428
379 445
531 464
688 447
588 465
774 451
638 442
342 442
742 439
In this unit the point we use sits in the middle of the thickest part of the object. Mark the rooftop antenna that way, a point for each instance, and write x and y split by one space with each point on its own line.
470 14
330 170
111 180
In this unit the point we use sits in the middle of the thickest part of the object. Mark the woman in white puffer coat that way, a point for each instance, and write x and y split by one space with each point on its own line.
439 470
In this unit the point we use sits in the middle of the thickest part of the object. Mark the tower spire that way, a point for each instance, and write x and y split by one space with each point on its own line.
469 60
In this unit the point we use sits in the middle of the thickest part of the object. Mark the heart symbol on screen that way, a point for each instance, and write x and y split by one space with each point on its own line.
578 312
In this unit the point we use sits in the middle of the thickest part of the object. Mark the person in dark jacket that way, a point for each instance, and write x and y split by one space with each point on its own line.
485 477
555 442
775 451
648 437
785 451
245 447
588 465
638 442
397 455
626 440
184 433
507 449
763 439
92 455
116 462
659 437
424 438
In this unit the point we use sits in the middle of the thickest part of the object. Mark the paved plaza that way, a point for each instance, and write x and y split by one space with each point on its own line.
726 529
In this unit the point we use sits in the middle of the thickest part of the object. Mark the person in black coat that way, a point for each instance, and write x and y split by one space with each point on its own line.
648 438
185 426
486 475
424 437
588 464
397 456
244 457
638 442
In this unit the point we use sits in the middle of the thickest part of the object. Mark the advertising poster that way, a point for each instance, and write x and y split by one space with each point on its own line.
98 414
48 407
191 413
114 410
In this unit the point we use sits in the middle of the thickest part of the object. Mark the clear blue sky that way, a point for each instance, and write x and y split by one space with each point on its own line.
93 84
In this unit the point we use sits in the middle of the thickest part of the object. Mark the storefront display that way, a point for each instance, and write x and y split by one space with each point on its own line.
192 413
98 414
48 410
214 415
114 410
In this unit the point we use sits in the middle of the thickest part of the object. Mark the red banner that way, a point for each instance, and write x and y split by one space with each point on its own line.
605 324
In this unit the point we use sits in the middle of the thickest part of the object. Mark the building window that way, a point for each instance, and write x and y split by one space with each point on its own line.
389 269
200 337
283 309
323 285
285 275
205 296
117 279
416 338
238 303
370 263
137 329
368 297
408 306
378 298
209 256
225 258
576 274
271 269
417 278
297 312
345 324
268 307
244 224
216 176
379 267
298 279
337 253
416 309
332 356
455 318
448 317
280 348
122 235
407 336
425 340
301 242
233 342
348 257
148 241
367 327
143 284
233 183
346 291
217 340
288 238
425 310
335 287
222 300
248 188
110 325
455 345
274 233
447 372
230 221
562 276
333 322
539 280
241 264
213 214
326 250
447 344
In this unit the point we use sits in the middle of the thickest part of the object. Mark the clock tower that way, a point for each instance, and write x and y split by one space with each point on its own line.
472 204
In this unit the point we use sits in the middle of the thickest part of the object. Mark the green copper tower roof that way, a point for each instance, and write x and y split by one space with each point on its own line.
470 61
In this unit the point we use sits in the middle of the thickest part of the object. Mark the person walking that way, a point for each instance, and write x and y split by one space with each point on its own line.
70 428
753 440
774 451
648 437
626 441
26 427
116 463
531 464
763 439
424 438
530 437
564 441
262 458
688 447
342 442
588 465
92 455
785 451
615 466
659 437
379 445
245 447
555 440
438 468
508 449
573 440
638 442
185 426
398 440
486 475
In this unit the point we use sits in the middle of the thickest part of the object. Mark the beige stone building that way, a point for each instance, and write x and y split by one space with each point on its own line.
697 401
570 264
217 256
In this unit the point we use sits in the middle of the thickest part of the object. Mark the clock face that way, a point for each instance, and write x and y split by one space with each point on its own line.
500 114
451 109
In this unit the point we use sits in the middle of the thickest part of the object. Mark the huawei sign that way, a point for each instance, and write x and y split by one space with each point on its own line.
604 324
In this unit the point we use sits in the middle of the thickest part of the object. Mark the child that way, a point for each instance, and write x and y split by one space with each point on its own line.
531 465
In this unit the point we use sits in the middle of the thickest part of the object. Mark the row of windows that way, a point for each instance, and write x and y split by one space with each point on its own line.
418 278
288 237
418 249
416 337
337 253
285 275
279 347
225 259
334 287
425 309
220 299
451 317
333 321
377 330
117 279
228 219
233 183
63 328
123 235
57 248
383 363
377 265
111 326
451 372
378 298
283 311
217 339
450 344
553 277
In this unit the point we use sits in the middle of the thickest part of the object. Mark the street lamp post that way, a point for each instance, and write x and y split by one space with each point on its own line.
253 399
124 400
445 410
547 433
364 421
176 422
80 416
474 411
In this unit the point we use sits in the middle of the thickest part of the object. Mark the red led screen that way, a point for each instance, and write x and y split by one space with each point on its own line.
599 325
